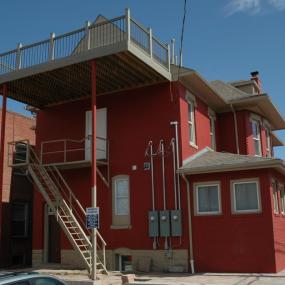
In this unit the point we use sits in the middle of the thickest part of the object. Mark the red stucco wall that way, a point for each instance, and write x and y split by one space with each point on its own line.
234 242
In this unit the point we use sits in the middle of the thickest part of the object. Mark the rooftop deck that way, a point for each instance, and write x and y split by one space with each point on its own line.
57 69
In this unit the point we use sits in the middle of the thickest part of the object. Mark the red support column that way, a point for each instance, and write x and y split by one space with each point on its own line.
2 148
94 191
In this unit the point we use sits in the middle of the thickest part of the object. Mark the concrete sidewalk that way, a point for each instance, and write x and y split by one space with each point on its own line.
80 277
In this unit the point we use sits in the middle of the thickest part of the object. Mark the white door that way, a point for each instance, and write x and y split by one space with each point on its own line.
101 134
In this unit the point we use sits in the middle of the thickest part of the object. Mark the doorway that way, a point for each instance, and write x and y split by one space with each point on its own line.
52 250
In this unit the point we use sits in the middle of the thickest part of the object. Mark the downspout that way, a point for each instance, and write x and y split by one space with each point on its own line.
236 128
189 224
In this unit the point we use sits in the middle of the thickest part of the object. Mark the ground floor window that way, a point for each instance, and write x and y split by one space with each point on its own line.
208 200
121 200
246 196
275 197
20 219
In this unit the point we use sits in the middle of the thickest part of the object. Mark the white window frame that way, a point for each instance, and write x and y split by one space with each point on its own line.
276 208
191 122
268 141
122 178
207 184
233 196
213 132
258 138
282 198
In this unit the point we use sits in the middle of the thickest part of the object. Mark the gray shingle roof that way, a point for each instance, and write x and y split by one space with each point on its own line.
211 161
227 91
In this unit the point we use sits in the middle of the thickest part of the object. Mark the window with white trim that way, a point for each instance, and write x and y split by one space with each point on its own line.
212 132
121 200
191 123
246 197
282 199
256 137
208 200
275 197
268 142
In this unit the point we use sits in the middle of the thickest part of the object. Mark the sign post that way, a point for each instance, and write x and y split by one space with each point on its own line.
92 218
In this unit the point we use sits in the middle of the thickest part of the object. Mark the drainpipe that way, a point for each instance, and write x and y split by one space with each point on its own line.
189 224
236 128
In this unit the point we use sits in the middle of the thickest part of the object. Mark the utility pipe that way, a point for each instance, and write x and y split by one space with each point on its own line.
173 51
191 256
175 124
163 182
236 128
174 171
152 187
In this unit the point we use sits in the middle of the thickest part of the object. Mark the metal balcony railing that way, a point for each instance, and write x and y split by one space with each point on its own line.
92 36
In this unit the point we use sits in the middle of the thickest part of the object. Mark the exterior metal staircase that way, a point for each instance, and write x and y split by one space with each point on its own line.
69 212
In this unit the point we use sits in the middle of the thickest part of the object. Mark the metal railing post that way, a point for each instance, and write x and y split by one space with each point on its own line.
41 155
150 41
168 53
128 25
18 56
87 34
51 46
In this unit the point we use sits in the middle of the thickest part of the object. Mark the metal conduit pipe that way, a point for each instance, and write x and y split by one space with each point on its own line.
175 124
174 172
162 151
163 173
236 128
152 188
191 256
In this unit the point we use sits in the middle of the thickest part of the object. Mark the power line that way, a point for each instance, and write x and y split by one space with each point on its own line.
182 36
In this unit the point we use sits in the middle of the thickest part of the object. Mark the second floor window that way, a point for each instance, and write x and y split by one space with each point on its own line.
282 198
213 132
256 137
268 142
191 123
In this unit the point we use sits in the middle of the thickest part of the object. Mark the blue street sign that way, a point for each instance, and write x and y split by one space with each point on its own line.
92 218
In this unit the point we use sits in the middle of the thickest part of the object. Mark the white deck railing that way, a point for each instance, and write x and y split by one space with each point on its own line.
92 36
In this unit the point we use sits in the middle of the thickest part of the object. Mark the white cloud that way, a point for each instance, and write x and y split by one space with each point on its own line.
252 7
278 4
249 6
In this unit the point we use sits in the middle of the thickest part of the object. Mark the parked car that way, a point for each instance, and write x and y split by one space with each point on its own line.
28 278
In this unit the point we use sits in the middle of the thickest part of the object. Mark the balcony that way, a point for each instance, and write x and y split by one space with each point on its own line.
57 69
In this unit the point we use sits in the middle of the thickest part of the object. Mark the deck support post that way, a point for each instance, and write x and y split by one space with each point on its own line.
2 147
94 190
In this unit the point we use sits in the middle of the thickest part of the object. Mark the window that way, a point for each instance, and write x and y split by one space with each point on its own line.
46 281
208 199
213 132
256 137
246 197
121 200
268 142
191 123
275 197
20 219
282 198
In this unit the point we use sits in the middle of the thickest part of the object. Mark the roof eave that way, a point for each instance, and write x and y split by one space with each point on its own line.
274 163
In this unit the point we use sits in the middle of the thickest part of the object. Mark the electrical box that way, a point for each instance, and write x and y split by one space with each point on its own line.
176 224
153 224
164 223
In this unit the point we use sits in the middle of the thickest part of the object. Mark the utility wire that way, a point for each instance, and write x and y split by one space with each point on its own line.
182 36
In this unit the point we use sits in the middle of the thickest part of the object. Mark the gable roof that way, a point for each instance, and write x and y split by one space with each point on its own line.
209 161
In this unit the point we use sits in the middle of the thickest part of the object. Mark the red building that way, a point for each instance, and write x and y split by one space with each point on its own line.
16 201
185 177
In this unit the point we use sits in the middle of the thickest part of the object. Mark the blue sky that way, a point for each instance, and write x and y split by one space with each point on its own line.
224 39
